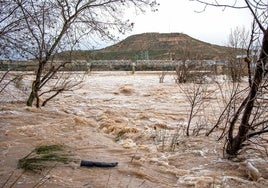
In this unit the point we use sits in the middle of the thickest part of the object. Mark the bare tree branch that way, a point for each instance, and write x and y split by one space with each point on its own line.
246 116
50 27
216 4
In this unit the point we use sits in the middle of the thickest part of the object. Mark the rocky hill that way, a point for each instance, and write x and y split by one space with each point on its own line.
157 46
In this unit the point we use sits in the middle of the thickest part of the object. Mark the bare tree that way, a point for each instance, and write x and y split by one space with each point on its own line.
10 24
245 116
237 68
195 95
185 68
3 83
52 26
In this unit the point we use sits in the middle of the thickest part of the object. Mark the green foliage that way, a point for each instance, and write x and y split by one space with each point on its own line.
43 157
48 149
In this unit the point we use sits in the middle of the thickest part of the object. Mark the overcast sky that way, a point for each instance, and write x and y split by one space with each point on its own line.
213 25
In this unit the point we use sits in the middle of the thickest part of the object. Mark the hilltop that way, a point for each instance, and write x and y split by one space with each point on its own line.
157 46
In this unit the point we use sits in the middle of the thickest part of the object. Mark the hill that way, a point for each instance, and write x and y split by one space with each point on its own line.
157 46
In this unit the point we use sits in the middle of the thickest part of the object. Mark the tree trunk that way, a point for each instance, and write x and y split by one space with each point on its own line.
31 99
235 144
36 86
190 119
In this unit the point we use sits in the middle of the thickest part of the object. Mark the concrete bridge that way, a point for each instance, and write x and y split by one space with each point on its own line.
111 65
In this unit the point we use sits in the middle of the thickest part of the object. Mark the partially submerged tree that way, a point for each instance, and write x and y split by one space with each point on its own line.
51 26
10 24
236 66
190 66
248 121
195 95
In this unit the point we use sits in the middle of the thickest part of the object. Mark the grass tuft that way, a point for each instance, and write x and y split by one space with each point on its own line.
48 149
43 157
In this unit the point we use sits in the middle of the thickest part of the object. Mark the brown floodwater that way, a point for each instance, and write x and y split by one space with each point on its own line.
130 119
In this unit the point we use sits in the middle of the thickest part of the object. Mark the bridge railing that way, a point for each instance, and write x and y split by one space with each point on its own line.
109 65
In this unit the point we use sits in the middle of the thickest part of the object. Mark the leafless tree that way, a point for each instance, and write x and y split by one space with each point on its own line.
237 68
195 95
52 26
190 67
231 94
10 24
4 84
245 116
185 68
183 72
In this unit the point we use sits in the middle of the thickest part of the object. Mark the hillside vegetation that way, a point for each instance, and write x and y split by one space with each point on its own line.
157 46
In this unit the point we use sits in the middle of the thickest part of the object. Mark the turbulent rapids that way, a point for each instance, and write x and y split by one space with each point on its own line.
130 119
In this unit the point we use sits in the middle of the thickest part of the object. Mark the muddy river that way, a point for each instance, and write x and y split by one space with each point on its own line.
130 119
